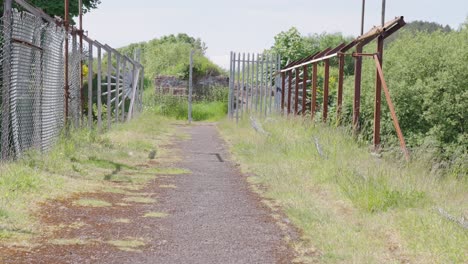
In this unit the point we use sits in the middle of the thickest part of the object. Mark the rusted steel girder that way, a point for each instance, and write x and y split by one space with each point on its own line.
313 102
289 91
283 86
296 92
391 107
326 82
304 89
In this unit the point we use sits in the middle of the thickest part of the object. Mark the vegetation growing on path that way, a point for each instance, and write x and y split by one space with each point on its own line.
84 161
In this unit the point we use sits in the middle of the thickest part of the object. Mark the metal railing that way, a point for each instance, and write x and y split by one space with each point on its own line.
296 91
41 88
254 85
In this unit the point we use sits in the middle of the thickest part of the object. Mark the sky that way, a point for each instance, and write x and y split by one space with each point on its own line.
250 25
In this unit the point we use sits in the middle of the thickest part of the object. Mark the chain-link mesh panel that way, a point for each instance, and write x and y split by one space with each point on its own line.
53 84
32 83
25 83
4 83
74 69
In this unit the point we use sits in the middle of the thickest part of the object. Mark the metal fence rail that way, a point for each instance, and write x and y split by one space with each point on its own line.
296 89
254 86
34 95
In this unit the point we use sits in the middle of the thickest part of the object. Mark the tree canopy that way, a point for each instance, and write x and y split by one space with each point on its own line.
169 55
57 7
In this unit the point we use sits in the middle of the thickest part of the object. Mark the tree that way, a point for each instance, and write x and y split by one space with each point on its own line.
57 7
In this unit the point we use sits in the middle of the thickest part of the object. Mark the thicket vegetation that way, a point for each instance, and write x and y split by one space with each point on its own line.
427 74
169 55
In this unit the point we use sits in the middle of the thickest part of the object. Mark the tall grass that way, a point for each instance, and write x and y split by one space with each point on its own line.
352 207
211 107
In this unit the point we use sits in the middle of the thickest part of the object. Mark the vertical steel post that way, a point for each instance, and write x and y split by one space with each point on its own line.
90 86
243 84
247 84
289 90
67 82
378 96
278 83
304 89
190 88
341 59
261 84
99 83
117 87
238 88
267 85
283 87
109 80
313 103
257 84
296 92
82 99
378 86
362 16
252 84
230 87
326 84
357 89
124 95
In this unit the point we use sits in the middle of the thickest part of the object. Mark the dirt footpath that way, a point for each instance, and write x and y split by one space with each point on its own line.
206 216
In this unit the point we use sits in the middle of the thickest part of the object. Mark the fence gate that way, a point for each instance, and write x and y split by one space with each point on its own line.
254 84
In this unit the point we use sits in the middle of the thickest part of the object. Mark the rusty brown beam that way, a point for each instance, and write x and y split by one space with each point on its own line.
283 87
389 28
392 108
341 62
378 95
289 91
326 83
357 89
296 93
304 89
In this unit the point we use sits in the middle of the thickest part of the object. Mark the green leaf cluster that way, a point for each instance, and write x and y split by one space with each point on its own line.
169 55
57 7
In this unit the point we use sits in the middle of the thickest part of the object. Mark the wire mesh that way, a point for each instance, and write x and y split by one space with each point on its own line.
32 83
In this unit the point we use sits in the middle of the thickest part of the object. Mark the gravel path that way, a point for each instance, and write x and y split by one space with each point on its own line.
214 217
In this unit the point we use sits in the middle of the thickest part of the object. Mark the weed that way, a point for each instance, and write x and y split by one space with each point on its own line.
92 203
156 215
137 199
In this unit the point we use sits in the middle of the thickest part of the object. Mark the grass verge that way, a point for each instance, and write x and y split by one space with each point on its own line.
351 207
84 161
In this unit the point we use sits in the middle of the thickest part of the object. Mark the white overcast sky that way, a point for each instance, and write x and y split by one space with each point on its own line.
250 25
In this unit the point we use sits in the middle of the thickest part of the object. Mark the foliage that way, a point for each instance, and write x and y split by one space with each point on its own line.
427 75
57 7
169 55
417 26
211 107
291 45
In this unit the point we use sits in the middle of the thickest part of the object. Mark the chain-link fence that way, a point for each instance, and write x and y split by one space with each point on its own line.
103 84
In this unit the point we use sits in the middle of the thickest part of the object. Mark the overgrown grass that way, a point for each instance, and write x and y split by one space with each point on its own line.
351 206
212 107
82 161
